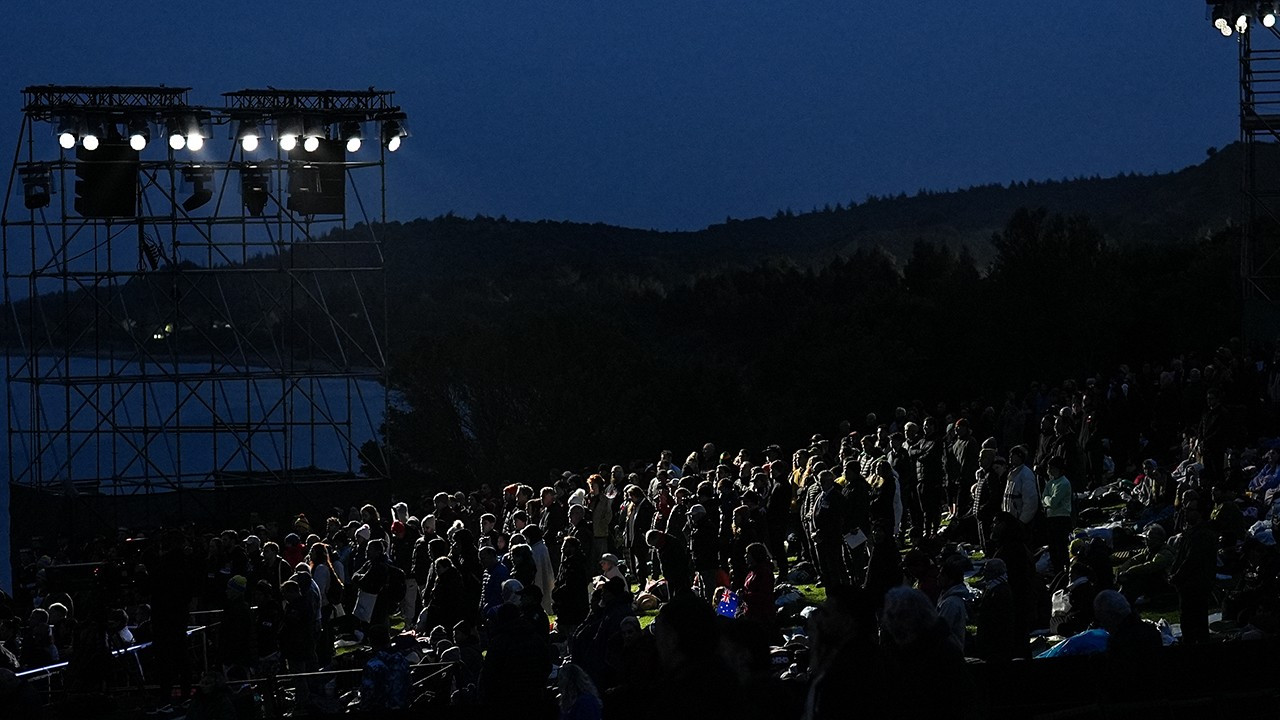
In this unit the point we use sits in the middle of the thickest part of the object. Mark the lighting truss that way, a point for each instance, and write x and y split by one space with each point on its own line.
234 327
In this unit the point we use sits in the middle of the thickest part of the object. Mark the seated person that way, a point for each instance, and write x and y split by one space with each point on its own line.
1267 477
1146 573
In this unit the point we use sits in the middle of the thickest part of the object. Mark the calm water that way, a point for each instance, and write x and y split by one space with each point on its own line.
228 425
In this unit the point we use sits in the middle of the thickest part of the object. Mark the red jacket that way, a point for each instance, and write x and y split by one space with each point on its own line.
757 594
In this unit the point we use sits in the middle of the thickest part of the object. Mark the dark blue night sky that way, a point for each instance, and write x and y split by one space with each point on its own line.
676 114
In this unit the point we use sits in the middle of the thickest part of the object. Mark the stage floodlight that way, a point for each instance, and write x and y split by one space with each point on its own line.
1269 19
249 135
201 179
92 135
287 131
68 133
352 135
393 131
37 185
177 136
315 131
139 134
1242 23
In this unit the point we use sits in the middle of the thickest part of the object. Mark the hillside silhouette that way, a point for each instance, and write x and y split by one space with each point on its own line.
1128 209
533 344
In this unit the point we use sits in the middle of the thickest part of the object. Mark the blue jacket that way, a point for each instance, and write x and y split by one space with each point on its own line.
491 589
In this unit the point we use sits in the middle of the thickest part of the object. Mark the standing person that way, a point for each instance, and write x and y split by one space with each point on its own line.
371 582
639 518
545 571
570 599
1021 493
553 517
778 514
495 573
828 520
1057 512
757 592
601 513
905 468
704 547
1192 573
172 579
1216 432
926 450
962 465
988 492
447 599
674 559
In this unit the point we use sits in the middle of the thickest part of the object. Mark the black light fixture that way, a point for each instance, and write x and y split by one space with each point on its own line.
255 188
201 179
37 185
393 132
351 135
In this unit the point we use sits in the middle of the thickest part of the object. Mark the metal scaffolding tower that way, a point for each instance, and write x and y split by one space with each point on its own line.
200 309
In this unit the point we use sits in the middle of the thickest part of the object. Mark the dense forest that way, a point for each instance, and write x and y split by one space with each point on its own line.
524 346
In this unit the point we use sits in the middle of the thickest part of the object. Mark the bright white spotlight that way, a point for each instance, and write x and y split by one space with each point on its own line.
90 141
1221 24
249 143
177 142
1269 20
194 142
311 144
393 144
67 140
138 142
353 144
288 142
1242 23
1226 31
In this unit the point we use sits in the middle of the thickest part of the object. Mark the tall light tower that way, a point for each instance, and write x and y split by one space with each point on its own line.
1253 25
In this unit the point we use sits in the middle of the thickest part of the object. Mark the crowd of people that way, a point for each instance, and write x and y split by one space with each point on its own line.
937 535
